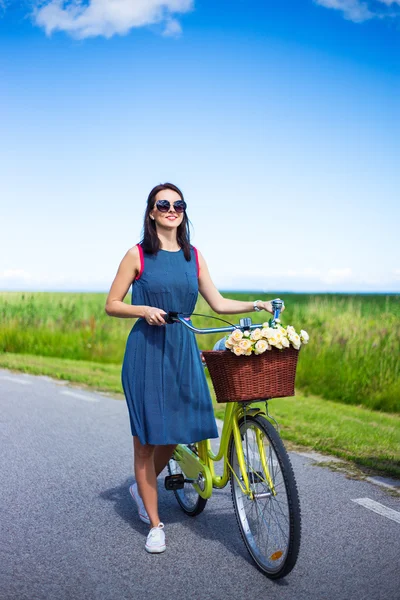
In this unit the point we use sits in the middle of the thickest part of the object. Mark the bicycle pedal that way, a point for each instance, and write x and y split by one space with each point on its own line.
174 482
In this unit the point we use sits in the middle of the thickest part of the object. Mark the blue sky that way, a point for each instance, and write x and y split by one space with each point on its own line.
278 120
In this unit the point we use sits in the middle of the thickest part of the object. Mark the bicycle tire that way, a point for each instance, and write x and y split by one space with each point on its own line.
188 498
277 557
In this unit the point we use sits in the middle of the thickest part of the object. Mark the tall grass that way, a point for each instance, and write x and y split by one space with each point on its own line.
353 354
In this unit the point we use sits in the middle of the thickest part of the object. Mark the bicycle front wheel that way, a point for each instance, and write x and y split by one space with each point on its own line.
268 517
188 498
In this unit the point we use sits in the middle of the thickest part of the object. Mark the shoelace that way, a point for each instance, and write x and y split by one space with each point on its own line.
154 530
153 533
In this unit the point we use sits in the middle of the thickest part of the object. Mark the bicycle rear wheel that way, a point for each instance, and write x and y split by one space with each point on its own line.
269 521
188 498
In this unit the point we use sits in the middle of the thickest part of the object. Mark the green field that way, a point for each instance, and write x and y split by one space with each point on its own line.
352 359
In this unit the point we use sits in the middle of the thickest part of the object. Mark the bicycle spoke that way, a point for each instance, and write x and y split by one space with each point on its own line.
265 521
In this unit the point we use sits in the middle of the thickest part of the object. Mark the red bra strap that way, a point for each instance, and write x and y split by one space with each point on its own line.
197 261
141 261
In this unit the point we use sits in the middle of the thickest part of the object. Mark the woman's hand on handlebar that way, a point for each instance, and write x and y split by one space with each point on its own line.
267 305
154 316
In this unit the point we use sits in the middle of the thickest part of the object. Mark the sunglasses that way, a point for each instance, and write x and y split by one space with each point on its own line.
164 206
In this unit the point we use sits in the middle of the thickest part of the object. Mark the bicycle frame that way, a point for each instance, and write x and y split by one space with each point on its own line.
199 468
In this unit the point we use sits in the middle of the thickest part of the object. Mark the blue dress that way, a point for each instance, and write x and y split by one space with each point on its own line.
162 375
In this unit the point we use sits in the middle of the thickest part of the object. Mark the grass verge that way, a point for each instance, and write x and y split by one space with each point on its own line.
368 438
352 357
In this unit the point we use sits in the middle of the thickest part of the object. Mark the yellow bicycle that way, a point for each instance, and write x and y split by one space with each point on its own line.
255 461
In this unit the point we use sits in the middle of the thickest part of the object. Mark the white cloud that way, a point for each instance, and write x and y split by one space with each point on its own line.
109 17
302 273
363 10
172 28
10 274
264 280
354 10
396 274
337 275
332 275
20 279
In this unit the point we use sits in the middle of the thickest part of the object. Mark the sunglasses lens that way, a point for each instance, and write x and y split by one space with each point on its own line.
163 205
180 206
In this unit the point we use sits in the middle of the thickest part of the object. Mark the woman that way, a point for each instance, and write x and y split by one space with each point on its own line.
162 373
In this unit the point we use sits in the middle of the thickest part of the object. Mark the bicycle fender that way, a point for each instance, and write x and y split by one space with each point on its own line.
251 412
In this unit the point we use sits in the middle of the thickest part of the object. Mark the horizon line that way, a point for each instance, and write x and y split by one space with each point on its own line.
253 291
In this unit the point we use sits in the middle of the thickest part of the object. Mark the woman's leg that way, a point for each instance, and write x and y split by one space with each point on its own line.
146 478
162 454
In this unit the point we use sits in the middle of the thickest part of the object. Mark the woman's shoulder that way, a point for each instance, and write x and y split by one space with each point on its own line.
135 251
135 254
194 249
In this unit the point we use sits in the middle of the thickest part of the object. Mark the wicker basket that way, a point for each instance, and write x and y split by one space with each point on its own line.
254 377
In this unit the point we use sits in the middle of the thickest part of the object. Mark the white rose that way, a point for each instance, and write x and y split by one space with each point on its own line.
261 346
245 344
256 334
304 336
290 330
246 333
269 331
237 335
248 352
238 351
273 340
296 342
285 342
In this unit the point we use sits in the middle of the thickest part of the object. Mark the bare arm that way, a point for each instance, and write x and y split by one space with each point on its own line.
116 307
217 302
127 271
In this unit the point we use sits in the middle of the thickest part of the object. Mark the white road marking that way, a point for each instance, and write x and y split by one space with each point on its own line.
317 457
380 509
81 396
16 380
387 482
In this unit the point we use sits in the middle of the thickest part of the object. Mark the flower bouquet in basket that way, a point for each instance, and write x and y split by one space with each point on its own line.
260 364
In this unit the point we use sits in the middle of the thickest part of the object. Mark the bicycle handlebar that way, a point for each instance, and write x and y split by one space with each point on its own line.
244 323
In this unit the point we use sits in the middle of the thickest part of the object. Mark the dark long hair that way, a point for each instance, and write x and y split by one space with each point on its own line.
150 240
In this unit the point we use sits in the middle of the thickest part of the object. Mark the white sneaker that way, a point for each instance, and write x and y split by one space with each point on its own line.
143 516
156 539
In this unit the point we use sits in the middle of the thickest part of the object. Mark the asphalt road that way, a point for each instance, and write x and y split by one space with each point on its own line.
69 529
